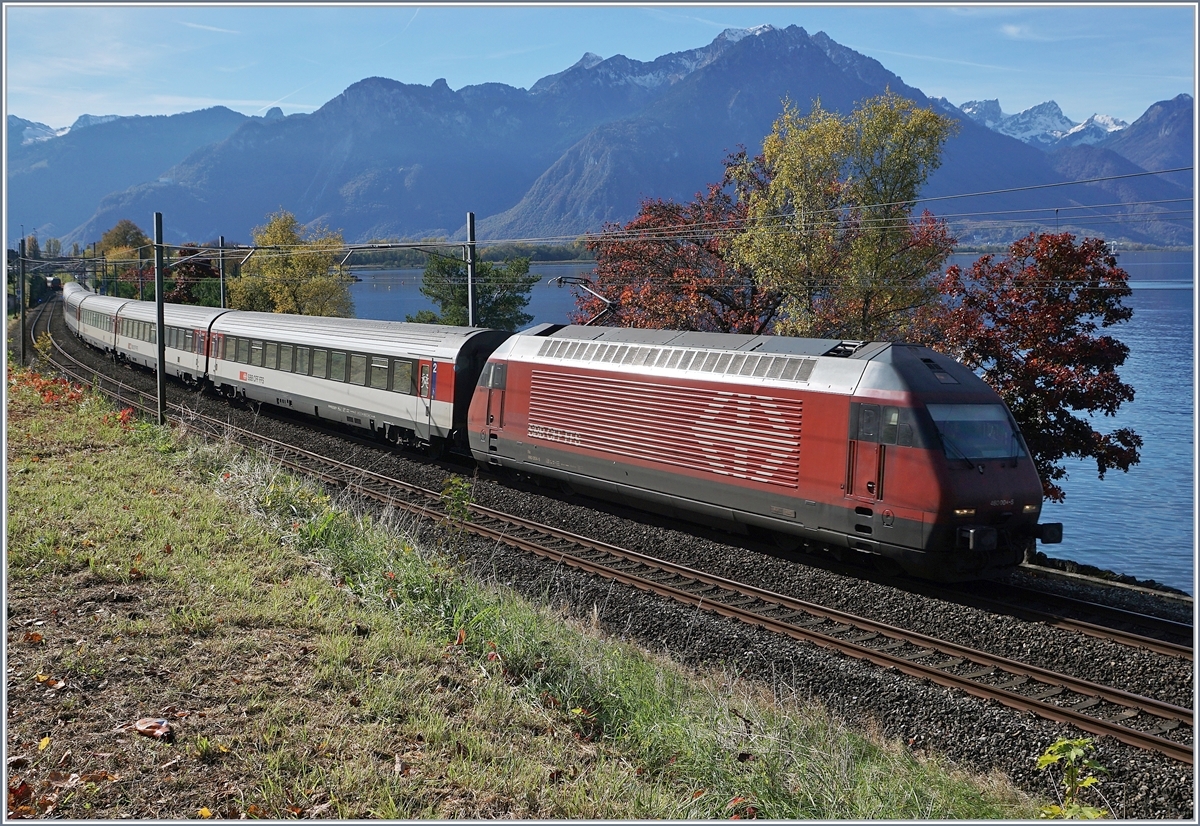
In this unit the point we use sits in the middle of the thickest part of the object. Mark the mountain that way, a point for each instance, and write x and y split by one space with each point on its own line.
579 148
55 184
1162 138
1044 126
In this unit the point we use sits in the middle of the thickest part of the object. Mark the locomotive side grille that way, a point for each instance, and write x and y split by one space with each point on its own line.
785 368
738 435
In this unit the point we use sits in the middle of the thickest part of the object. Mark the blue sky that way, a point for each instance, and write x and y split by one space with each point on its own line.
65 61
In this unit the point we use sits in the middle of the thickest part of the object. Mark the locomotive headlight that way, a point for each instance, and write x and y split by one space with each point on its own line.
1030 509
964 511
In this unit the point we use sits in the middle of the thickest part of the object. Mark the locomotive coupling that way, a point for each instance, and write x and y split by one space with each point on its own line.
977 539
1049 532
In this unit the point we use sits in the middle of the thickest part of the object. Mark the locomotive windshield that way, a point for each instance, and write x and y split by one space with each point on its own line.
976 431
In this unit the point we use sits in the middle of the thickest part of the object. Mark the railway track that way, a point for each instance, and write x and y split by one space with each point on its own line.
1136 720
1163 636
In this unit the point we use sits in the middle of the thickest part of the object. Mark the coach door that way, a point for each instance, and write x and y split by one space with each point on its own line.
426 379
864 480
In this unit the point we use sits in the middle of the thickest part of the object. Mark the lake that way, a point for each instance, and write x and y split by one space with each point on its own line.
1138 523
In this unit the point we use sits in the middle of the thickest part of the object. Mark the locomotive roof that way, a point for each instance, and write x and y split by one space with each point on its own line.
827 365
782 345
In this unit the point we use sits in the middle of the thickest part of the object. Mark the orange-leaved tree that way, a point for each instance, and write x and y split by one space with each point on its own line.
667 269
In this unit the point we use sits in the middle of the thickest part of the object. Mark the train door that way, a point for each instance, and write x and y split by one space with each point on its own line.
494 375
427 375
867 456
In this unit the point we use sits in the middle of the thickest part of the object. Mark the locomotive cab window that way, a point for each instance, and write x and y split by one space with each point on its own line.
976 431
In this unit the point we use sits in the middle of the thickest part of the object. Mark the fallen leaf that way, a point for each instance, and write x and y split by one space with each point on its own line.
744 756
33 637
204 812
462 637
43 744
20 793
698 793
155 727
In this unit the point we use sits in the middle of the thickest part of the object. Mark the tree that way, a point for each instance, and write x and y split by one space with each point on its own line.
667 269
293 270
32 251
53 248
126 234
501 293
187 274
832 228
1028 324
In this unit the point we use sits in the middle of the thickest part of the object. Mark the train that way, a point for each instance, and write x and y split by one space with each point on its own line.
886 449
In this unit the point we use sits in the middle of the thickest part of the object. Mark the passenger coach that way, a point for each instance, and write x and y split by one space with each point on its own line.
411 383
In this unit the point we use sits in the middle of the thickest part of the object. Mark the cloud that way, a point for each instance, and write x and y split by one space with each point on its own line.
933 59
210 28
1014 31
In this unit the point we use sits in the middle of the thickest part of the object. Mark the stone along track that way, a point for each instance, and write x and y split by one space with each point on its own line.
1140 721
1135 629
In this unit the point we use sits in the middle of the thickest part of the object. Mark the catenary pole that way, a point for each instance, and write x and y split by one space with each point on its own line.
161 371
469 257
21 300
221 268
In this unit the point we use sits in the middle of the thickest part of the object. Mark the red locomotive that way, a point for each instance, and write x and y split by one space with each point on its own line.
889 449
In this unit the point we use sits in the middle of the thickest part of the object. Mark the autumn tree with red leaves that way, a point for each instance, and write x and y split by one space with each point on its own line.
187 273
1030 324
667 269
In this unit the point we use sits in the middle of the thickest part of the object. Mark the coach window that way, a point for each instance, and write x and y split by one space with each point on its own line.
271 354
379 372
256 353
285 357
302 360
320 362
426 380
189 341
358 370
243 350
402 376
337 365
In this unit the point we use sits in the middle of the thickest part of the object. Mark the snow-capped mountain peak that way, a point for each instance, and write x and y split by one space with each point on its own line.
734 35
1044 126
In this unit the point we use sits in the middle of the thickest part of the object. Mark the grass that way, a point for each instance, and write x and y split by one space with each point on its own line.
314 661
